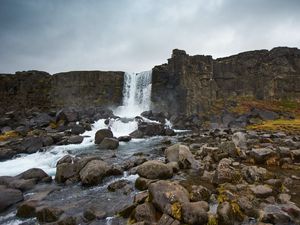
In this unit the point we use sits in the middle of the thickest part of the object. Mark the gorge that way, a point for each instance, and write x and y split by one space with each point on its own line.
194 141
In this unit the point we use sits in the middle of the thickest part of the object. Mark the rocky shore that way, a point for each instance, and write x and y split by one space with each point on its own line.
204 176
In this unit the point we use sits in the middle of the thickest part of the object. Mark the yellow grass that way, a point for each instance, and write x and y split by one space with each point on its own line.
287 126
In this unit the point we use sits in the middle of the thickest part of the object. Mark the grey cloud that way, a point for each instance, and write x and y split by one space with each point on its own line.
135 35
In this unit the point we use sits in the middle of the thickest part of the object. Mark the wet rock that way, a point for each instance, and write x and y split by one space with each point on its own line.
136 134
261 155
109 143
199 193
143 183
145 212
140 197
34 173
31 144
168 196
182 155
93 213
101 134
22 184
151 129
75 139
65 171
195 213
47 140
127 210
77 129
47 214
124 138
118 185
6 153
93 172
8 197
27 209
261 191
155 170
225 213
170 132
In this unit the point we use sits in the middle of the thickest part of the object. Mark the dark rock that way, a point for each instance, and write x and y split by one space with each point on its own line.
124 138
46 214
117 185
109 143
265 114
136 134
75 139
22 185
93 213
182 155
101 134
155 170
93 172
47 140
67 116
34 173
31 144
77 129
151 129
65 171
169 132
127 210
41 120
143 183
27 209
199 193
9 197
296 155
145 212
195 213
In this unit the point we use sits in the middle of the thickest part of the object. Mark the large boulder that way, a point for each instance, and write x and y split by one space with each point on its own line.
8 197
151 129
31 144
261 155
168 196
65 171
93 172
34 173
109 143
182 155
47 214
155 169
75 139
195 213
101 134
145 212
225 172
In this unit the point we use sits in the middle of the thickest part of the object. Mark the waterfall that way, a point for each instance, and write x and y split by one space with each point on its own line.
136 94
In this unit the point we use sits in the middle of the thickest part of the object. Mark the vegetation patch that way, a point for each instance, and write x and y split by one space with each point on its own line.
287 126
8 135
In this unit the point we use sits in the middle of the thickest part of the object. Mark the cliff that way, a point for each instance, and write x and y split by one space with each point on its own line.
192 84
71 89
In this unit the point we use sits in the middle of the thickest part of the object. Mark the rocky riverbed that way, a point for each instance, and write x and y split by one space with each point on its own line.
89 172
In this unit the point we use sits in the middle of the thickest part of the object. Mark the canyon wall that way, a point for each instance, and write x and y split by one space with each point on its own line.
191 84
71 89
186 84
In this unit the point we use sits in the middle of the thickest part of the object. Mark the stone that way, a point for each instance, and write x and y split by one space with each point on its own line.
31 144
155 169
136 134
261 191
65 171
93 172
167 220
199 193
47 141
145 212
143 183
93 213
182 155
224 172
47 214
261 155
253 174
34 173
167 197
247 206
8 197
109 143
77 129
117 185
101 134
195 213
27 209
151 129
225 213
140 197
22 184
295 154
75 139
124 138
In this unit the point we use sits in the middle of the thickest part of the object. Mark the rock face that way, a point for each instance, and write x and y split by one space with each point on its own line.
78 88
190 84
155 170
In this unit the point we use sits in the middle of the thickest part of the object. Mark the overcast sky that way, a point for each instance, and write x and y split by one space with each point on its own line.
135 35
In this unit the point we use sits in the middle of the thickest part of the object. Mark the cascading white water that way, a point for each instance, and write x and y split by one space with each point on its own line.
137 94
